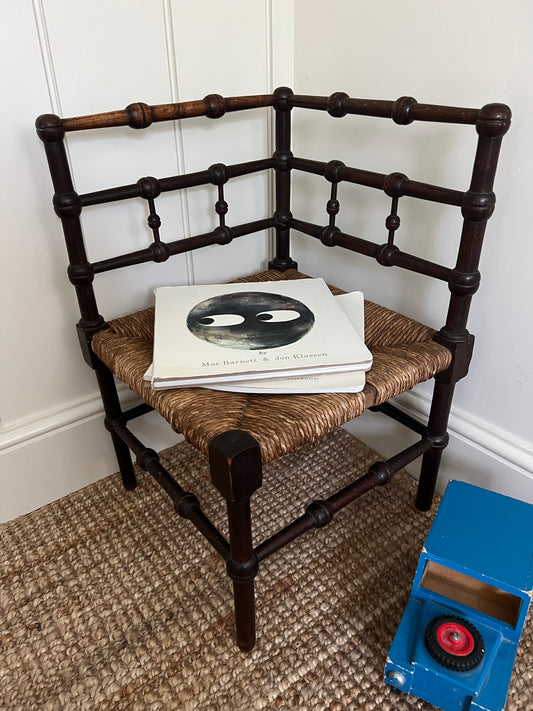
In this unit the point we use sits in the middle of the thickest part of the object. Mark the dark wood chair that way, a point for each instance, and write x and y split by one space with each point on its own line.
241 432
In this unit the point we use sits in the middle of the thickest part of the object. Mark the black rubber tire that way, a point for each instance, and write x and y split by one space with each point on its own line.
446 658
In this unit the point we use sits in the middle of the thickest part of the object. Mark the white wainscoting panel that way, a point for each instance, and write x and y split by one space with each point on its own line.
78 58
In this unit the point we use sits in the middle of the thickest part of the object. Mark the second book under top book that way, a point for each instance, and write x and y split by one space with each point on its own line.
249 331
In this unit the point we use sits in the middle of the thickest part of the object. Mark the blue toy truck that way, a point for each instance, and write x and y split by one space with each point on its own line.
457 640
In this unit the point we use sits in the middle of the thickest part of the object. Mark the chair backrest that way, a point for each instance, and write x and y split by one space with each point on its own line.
475 204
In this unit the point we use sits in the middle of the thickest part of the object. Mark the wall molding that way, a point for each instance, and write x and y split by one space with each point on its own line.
46 54
495 442
269 78
178 134
48 423
61 450
33 474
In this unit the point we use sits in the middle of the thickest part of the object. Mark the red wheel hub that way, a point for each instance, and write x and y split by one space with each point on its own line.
455 639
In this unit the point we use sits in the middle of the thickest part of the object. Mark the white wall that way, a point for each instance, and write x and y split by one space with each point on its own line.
76 58
79 57
456 53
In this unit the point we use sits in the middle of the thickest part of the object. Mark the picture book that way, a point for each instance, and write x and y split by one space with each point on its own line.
252 331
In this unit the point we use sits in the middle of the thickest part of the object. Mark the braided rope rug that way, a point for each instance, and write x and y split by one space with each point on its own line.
109 601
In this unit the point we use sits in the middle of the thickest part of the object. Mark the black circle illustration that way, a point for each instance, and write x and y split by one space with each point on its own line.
454 643
250 320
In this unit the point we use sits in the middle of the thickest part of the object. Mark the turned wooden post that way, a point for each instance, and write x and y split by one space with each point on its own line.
236 471
477 206
68 207
282 155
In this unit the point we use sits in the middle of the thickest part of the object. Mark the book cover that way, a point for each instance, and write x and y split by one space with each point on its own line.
245 331
353 382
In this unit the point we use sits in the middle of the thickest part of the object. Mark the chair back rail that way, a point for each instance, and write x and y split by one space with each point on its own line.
476 204
141 115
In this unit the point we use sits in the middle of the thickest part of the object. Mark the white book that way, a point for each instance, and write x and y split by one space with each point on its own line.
353 306
249 331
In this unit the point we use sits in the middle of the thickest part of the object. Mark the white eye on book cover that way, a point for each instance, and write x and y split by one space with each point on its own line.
260 337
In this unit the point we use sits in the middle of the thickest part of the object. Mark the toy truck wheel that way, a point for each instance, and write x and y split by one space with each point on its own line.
454 643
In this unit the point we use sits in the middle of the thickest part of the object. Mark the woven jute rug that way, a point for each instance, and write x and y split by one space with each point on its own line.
110 601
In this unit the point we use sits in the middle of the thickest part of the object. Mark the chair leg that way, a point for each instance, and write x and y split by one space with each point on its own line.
125 464
437 431
236 471
113 411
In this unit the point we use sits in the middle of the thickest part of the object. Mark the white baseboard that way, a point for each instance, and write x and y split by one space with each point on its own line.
497 443
62 450
477 452
25 431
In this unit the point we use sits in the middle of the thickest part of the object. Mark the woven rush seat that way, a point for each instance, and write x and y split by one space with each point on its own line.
403 350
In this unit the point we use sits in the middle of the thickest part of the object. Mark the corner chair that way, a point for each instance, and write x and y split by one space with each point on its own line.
242 432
